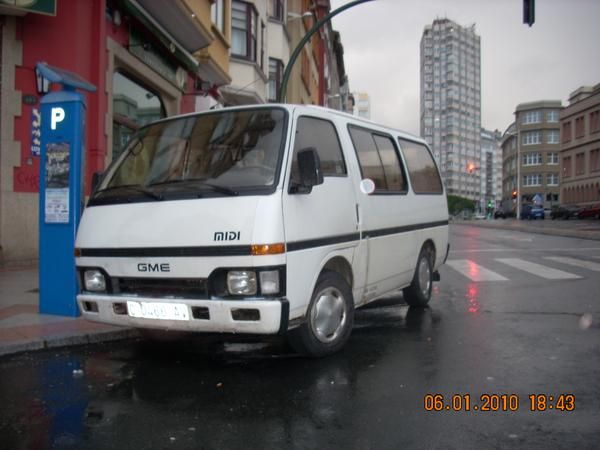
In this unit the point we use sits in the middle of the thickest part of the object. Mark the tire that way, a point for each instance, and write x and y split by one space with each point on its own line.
418 293
329 318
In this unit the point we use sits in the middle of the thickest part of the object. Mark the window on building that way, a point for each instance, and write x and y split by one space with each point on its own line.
579 163
552 179
276 9
217 15
321 135
531 117
378 159
531 137
275 73
532 159
532 180
244 25
595 121
567 169
566 132
552 116
580 127
424 176
552 158
134 105
553 136
595 160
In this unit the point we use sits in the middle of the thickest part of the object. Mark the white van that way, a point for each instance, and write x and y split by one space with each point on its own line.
261 219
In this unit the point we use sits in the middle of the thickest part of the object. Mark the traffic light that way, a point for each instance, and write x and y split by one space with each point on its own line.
514 194
529 12
490 204
470 167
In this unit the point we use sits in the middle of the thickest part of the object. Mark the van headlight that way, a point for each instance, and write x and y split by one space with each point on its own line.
94 281
241 282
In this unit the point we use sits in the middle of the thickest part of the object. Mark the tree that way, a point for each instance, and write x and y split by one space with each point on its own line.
457 204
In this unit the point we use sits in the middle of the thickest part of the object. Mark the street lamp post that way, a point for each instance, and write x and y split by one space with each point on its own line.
288 68
518 174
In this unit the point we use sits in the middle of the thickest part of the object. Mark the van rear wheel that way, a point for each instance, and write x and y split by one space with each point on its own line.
419 292
329 318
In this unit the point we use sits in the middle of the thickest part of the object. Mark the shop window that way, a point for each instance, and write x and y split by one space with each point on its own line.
134 105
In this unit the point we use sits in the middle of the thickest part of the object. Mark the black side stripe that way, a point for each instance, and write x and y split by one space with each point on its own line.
404 229
246 250
225 250
323 242
312 243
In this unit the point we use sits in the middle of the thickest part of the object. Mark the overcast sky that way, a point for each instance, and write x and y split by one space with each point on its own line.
548 61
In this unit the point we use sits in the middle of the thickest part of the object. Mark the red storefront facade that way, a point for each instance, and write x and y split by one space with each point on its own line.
141 71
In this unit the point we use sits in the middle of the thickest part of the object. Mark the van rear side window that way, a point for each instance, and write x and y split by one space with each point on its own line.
424 176
378 159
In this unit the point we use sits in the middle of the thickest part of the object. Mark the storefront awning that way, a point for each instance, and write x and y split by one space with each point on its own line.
174 25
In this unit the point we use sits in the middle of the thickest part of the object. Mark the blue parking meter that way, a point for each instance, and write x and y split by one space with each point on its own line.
61 188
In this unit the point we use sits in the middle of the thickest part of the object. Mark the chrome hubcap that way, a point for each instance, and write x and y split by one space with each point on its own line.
424 276
328 315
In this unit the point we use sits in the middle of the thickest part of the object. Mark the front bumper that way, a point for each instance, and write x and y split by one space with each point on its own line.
254 316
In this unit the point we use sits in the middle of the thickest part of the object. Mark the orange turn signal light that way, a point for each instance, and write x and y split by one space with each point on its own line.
77 252
267 249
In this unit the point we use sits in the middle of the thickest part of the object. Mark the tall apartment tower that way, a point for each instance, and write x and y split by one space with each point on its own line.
451 104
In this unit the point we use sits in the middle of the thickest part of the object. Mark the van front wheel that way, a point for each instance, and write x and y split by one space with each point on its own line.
329 318
419 291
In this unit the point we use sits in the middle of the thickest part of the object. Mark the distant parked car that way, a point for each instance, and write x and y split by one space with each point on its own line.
499 214
479 216
590 212
531 212
565 212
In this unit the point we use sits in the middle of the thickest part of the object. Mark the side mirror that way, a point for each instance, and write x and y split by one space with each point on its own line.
96 179
309 166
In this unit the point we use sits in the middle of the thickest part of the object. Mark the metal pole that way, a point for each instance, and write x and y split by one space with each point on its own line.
288 68
518 172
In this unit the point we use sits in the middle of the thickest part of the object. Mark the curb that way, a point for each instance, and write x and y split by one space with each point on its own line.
67 340
580 234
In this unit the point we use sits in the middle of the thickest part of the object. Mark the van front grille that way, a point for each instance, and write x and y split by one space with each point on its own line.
162 287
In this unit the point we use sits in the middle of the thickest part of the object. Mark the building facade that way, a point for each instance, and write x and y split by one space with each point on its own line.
580 149
530 155
451 103
490 170
146 61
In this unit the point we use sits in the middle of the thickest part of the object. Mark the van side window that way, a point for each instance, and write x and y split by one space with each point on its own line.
378 159
424 176
320 134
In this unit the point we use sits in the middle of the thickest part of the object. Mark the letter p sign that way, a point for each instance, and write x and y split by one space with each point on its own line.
57 115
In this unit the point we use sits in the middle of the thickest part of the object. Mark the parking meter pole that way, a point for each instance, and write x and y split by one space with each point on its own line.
61 190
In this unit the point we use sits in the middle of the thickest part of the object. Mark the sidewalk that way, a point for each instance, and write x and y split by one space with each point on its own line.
23 328
582 229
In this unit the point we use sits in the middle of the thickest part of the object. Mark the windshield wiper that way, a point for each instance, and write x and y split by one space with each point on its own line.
133 187
199 182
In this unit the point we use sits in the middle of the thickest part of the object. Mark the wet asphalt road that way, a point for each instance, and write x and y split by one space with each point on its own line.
519 336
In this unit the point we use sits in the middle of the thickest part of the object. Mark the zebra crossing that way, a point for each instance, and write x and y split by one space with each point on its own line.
480 273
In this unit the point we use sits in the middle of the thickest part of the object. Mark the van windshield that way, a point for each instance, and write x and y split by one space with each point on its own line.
222 153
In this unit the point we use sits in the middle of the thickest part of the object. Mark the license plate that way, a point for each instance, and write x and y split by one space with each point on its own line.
164 311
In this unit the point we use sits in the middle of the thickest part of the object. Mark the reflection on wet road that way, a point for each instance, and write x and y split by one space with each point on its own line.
521 337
